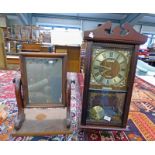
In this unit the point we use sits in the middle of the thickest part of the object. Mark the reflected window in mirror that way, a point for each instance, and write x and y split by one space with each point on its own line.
44 78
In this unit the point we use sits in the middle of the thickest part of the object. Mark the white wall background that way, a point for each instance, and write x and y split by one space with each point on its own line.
56 21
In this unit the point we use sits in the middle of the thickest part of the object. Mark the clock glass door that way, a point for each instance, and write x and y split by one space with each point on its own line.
108 85
105 107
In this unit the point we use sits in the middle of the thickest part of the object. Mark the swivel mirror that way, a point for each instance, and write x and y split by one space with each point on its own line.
42 95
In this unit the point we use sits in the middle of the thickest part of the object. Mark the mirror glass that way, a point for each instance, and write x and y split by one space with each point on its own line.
44 78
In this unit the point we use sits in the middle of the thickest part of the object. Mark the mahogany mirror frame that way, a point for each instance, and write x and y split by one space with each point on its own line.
24 55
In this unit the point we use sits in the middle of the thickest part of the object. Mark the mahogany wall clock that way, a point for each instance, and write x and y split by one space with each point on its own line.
109 75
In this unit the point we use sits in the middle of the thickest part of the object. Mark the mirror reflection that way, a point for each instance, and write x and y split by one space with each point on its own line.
44 77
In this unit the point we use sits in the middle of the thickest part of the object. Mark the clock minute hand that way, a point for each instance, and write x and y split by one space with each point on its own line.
108 68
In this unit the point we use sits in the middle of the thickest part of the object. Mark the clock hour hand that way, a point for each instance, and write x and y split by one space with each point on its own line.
104 71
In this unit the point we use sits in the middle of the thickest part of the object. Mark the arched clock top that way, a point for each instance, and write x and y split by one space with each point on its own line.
119 34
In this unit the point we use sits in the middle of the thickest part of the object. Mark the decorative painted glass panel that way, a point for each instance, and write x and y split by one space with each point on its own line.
105 107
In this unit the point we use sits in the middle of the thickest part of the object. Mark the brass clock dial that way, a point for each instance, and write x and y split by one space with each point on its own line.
109 67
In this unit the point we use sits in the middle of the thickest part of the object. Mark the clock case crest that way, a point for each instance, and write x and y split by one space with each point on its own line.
123 38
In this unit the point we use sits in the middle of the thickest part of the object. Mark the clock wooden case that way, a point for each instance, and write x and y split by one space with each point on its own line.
110 65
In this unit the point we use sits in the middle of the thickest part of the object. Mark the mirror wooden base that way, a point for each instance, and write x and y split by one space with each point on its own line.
43 122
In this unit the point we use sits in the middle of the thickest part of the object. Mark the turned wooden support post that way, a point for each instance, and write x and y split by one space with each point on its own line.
18 92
